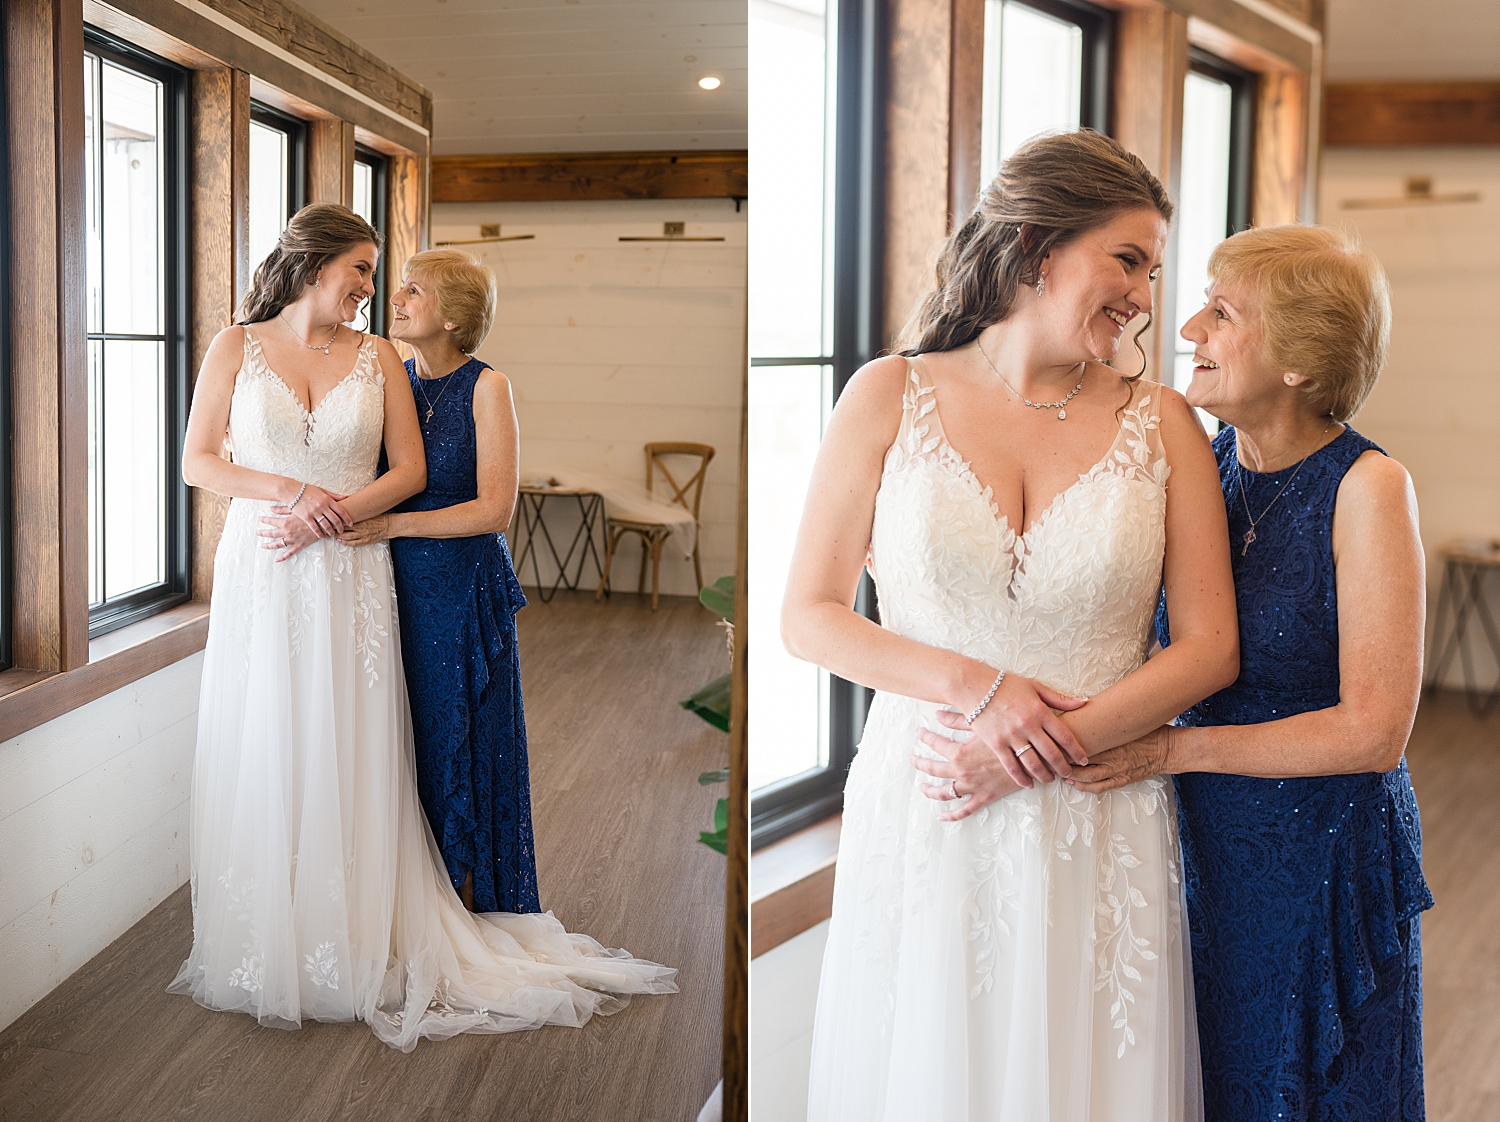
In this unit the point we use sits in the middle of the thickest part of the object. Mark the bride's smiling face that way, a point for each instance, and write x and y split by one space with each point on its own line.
347 281
1099 282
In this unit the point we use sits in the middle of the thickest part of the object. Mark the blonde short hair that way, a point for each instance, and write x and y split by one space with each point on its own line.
1325 307
465 291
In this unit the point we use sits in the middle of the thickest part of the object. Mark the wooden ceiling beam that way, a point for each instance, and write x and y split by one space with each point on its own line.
559 176
1409 113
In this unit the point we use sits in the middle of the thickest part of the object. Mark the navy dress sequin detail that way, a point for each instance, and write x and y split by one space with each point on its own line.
1304 895
458 599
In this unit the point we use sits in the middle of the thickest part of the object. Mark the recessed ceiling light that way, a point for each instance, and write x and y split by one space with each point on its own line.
709 83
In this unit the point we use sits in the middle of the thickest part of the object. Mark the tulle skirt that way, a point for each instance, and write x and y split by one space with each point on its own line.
1027 964
318 891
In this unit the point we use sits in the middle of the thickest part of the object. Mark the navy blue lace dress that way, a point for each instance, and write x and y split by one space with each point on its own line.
458 599
1304 895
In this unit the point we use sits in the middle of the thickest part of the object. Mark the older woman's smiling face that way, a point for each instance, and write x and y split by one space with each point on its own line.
1230 367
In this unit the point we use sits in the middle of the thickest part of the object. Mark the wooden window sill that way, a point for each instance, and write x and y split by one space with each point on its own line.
29 698
791 884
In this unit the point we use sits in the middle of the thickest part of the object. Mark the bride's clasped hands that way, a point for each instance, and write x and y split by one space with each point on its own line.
1018 740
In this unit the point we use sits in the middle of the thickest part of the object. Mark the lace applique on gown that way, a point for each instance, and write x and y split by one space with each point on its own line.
318 891
1029 962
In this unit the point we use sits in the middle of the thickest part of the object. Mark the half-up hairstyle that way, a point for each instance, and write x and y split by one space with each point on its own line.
1052 190
317 234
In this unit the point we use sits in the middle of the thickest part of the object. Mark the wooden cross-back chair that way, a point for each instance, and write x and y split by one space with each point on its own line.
654 535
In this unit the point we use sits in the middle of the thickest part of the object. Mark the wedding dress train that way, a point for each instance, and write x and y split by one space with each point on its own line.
318 891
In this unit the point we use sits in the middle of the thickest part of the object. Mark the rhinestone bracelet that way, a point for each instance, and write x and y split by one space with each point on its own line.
978 709
302 492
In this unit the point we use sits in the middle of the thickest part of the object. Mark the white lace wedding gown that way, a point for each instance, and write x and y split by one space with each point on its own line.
1029 963
318 891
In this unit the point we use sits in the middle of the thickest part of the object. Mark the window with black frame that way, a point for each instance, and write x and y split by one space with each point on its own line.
1046 69
1218 104
813 293
135 162
369 204
278 176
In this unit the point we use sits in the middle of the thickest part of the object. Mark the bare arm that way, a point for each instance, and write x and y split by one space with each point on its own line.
403 444
1380 581
818 620
1205 653
497 454
208 422
1380 577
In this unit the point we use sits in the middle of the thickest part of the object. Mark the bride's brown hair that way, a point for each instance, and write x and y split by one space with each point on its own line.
317 234
1052 190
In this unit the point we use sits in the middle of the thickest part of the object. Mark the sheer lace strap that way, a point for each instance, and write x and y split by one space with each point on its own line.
253 364
1140 427
921 430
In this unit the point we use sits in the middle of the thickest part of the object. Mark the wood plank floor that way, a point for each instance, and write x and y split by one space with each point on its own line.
1455 765
617 810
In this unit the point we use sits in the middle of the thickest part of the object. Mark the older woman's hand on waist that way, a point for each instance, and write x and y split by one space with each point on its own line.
1129 763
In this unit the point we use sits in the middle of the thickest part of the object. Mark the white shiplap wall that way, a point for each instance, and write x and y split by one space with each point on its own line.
1436 407
611 344
93 828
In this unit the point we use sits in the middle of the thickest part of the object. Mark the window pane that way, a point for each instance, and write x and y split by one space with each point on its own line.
790 255
364 193
131 202
1203 214
91 190
788 697
1033 79
134 471
96 476
269 175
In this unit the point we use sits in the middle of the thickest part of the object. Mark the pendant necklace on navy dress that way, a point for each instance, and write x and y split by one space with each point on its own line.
431 405
1240 470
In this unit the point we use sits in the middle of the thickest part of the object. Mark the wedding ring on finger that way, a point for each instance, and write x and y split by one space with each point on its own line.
953 790
1021 751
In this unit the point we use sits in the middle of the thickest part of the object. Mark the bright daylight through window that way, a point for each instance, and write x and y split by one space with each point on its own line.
791 377
1033 79
129 331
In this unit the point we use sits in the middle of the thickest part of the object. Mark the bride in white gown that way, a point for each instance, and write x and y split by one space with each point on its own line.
1011 948
318 891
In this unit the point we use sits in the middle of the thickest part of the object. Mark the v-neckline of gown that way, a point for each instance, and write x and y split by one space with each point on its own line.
280 381
988 495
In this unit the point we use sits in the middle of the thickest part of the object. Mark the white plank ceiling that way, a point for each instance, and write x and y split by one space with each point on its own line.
1413 40
563 75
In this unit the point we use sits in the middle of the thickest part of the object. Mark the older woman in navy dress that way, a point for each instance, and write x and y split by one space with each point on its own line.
456 591
1300 835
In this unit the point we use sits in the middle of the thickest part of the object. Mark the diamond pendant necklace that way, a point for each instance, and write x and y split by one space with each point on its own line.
1249 535
1062 413
304 342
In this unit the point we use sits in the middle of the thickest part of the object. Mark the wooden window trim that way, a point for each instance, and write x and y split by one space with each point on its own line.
55 666
791 884
29 698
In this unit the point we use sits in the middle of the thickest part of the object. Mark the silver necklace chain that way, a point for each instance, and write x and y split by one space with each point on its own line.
1062 413
1249 535
431 405
310 346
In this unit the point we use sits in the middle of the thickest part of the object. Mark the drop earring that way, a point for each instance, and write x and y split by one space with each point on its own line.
317 282
1041 284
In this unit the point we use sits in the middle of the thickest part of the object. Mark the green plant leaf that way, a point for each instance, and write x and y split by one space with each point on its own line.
707 777
719 597
711 702
719 839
